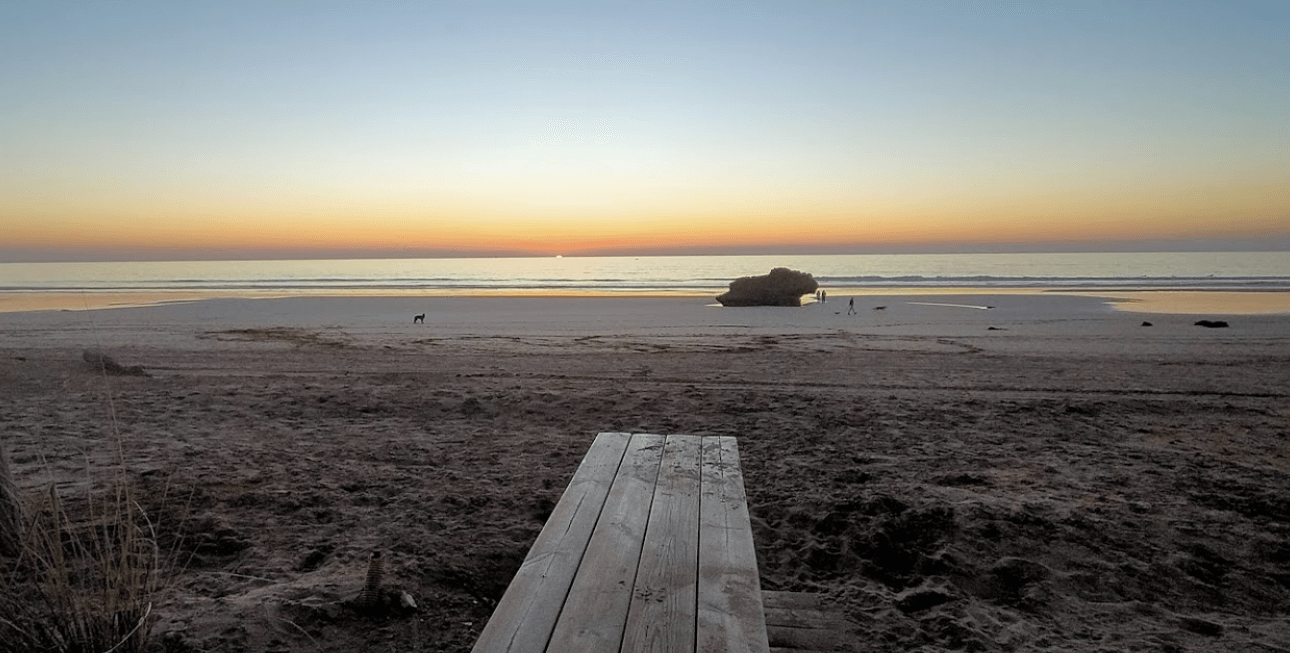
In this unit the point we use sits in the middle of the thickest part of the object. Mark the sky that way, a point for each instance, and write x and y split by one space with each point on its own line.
277 129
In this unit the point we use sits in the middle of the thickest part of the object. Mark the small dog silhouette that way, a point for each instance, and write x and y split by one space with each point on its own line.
879 308
419 318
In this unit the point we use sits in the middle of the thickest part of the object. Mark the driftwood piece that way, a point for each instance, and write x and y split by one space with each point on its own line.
370 597
101 362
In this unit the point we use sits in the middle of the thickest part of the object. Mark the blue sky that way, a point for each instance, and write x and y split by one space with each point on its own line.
157 129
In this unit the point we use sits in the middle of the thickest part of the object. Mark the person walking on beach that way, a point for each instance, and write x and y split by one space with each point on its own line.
851 306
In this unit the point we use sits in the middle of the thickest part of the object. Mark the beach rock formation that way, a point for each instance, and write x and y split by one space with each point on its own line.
782 287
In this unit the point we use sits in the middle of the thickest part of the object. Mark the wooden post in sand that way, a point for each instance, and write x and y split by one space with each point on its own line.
10 509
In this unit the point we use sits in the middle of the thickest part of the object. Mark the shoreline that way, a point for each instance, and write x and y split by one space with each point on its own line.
1137 300
1000 323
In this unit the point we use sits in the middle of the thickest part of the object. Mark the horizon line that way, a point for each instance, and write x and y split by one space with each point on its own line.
1271 243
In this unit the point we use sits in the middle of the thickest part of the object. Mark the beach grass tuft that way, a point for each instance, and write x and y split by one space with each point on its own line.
10 509
80 570
84 577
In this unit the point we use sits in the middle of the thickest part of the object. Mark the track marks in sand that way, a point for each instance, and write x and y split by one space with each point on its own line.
835 342
290 335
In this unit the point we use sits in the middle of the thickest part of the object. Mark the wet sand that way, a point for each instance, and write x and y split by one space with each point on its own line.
1045 474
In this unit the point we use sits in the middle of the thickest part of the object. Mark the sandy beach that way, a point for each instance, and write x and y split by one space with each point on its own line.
951 472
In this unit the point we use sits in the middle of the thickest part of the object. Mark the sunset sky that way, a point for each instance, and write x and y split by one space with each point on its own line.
269 129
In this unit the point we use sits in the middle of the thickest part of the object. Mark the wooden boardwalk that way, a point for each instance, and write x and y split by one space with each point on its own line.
649 549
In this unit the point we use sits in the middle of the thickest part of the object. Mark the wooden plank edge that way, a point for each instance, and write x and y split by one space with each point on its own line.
524 618
594 614
731 615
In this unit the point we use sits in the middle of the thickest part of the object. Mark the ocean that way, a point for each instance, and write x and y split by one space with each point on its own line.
655 275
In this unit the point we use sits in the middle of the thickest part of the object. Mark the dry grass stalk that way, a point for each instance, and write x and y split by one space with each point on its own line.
11 516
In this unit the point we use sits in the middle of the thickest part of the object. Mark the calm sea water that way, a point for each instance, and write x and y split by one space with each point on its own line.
680 275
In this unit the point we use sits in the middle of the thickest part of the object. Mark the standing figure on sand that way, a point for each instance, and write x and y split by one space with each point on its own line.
851 306
419 318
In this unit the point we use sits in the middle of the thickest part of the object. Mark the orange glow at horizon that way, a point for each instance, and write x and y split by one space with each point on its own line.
543 225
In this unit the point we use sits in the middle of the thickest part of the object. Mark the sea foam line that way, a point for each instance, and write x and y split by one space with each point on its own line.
982 308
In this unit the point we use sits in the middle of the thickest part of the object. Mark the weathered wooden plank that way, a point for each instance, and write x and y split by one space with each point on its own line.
799 621
661 618
791 600
805 618
525 617
730 615
811 639
595 613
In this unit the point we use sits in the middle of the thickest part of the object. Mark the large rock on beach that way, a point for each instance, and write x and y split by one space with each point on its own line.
782 287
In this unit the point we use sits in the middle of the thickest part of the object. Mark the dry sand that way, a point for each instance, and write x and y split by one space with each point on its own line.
1047 474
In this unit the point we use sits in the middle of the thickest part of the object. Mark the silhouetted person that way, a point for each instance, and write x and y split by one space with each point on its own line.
851 306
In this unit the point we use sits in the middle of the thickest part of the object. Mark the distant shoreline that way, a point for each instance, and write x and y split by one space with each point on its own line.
1136 300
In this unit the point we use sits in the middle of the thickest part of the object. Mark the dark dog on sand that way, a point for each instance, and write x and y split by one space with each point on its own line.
419 318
